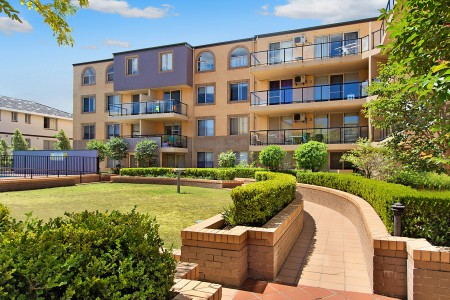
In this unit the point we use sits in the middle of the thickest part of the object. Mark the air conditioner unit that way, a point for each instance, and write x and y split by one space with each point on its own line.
300 79
299 117
300 40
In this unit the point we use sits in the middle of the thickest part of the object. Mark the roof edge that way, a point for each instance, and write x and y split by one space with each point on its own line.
93 62
154 48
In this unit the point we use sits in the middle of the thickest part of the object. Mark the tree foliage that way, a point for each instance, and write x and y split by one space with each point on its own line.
272 156
227 159
414 85
3 147
311 156
54 12
63 142
18 142
117 149
100 146
146 152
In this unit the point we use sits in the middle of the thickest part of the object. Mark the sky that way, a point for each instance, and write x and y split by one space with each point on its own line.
33 66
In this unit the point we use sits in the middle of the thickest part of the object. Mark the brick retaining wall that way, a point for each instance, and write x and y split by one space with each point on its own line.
25 184
216 184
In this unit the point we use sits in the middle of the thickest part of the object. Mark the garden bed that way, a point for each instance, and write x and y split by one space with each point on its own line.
204 183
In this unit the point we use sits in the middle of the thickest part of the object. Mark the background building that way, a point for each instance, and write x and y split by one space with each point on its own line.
282 88
38 123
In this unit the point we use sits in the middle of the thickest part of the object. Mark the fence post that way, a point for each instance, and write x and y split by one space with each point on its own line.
48 163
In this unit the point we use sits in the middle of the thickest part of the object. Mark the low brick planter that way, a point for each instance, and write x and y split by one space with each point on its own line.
231 256
215 184
25 184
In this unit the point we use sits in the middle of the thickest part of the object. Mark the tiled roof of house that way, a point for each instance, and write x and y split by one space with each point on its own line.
31 107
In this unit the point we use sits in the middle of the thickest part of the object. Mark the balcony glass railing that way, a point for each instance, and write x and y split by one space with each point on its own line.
149 107
310 52
167 140
317 93
336 135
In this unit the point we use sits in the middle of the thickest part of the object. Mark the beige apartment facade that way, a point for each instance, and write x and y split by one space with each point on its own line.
282 88
38 123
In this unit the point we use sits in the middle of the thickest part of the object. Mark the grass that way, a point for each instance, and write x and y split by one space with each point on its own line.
172 211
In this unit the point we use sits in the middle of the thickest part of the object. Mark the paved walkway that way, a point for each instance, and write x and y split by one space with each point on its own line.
326 262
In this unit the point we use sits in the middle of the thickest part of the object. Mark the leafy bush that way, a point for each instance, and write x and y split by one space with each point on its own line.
227 159
254 204
18 142
146 152
62 141
100 146
311 156
117 149
272 156
427 214
205 173
428 181
4 217
88 255
247 172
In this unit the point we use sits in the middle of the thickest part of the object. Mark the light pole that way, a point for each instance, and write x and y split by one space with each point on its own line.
398 209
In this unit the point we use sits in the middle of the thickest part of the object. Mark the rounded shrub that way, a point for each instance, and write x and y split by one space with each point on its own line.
88 255
272 156
227 159
311 156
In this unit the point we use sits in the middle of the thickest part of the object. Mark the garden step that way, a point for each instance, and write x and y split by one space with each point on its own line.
187 271
176 254
196 290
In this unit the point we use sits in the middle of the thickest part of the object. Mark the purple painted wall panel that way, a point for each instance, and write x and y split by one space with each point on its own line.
148 68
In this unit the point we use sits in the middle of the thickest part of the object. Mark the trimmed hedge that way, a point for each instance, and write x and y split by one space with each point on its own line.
205 173
88 255
428 181
427 214
254 204
247 172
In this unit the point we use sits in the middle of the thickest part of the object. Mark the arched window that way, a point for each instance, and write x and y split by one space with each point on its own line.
239 58
110 73
89 76
205 62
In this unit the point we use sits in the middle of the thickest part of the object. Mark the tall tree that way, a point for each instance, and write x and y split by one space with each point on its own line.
63 142
55 15
414 87
146 152
100 146
18 142
117 149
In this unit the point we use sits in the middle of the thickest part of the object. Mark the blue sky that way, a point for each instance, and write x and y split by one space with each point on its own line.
33 67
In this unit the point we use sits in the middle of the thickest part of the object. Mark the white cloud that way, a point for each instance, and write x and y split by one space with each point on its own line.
114 43
89 47
330 10
8 26
124 9
264 10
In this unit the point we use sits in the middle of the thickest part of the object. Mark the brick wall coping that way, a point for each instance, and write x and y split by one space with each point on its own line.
173 181
419 249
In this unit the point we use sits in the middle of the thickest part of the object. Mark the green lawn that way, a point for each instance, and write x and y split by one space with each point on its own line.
172 211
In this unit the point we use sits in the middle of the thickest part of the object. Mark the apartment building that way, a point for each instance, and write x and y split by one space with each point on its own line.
283 88
38 123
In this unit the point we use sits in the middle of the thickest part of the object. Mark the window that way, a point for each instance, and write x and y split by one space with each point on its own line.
205 160
113 130
173 95
89 104
205 62
136 129
50 123
239 58
110 73
239 91
238 125
113 102
88 132
28 118
14 117
205 127
166 62
132 66
49 145
280 52
89 76
28 142
205 94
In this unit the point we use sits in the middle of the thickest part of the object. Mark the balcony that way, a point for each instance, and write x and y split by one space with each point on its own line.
309 58
164 110
295 137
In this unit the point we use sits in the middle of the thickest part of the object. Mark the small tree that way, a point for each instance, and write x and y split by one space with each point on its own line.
369 160
117 149
227 159
146 152
311 156
100 147
272 157
18 142
3 147
63 142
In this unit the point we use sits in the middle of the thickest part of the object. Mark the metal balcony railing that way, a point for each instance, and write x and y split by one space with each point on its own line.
310 52
146 108
167 140
317 93
336 135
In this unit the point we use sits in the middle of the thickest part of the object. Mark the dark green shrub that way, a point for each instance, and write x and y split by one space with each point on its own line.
272 156
204 173
311 156
427 181
88 255
254 204
247 172
4 217
427 214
